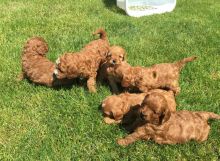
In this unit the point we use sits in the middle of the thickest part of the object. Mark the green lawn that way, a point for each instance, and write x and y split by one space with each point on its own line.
40 123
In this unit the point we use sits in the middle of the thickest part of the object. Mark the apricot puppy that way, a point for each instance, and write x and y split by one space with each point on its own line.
181 127
36 67
117 55
84 64
116 106
163 76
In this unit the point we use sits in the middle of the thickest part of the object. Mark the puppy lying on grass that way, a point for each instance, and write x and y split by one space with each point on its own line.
36 67
115 107
180 127
163 76
84 64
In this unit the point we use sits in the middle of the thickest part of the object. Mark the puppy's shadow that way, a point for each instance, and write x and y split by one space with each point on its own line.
77 82
131 120
112 6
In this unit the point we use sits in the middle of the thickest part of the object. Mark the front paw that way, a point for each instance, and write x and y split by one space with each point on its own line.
55 72
58 61
108 120
122 142
92 90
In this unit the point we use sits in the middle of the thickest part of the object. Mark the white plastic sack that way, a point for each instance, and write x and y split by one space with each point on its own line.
138 8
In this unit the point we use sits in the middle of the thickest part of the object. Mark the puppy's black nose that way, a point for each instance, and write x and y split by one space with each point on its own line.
113 61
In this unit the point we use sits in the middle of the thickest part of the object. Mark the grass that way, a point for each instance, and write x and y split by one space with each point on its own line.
40 123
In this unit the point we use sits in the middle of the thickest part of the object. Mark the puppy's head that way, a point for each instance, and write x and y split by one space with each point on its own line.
155 109
116 55
114 107
37 45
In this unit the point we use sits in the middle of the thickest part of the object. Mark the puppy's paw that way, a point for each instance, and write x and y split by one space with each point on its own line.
58 61
122 142
55 72
92 90
108 120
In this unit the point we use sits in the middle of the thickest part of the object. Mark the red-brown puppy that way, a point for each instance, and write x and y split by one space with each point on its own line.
163 76
36 67
115 107
84 64
180 127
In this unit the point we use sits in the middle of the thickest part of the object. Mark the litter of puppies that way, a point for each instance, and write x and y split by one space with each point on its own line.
150 113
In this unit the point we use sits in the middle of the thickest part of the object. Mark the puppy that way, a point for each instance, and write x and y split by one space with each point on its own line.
36 67
84 64
181 127
117 55
115 107
157 106
163 76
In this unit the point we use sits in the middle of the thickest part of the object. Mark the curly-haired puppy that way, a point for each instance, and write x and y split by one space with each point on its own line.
181 126
157 106
163 76
36 67
115 107
117 55
84 64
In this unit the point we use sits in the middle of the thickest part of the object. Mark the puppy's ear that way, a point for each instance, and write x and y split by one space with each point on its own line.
125 81
165 116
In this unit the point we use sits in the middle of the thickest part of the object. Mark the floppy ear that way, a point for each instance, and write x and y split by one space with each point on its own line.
165 116
125 81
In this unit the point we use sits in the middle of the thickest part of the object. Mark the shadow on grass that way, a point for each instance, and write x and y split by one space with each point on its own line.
112 6
77 82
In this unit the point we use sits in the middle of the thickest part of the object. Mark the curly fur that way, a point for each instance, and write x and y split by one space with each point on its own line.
36 67
157 106
163 76
181 127
85 63
115 107
117 55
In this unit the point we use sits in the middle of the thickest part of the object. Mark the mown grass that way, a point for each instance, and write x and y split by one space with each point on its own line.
40 123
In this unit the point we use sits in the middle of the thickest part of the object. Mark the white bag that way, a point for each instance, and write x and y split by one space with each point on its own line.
138 8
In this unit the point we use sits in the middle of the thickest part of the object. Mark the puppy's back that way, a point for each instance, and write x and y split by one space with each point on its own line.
185 125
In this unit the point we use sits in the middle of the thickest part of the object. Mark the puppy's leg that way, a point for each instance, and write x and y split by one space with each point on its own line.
175 87
113 85
108 120
91 84
137 135
143 89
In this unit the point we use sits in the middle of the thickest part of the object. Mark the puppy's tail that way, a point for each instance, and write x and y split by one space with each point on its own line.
182 62
209 115
102 33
